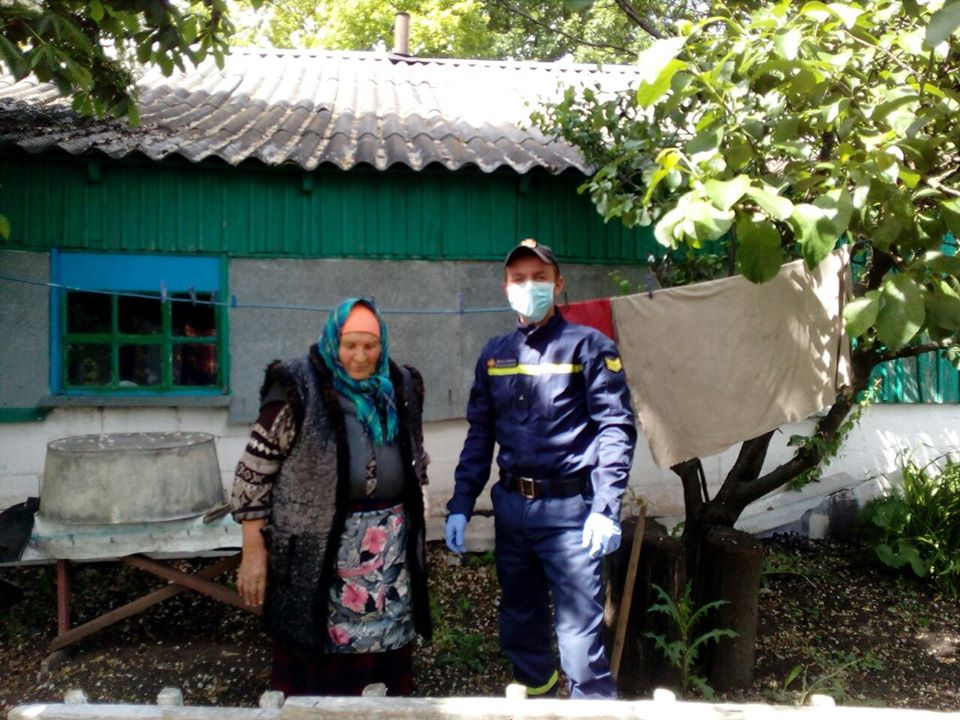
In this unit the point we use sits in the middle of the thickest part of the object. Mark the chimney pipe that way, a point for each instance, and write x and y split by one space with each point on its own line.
401 34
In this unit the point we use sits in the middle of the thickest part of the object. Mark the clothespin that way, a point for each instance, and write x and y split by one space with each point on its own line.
651 260
213 296
163 291
233 301
193 296
460 302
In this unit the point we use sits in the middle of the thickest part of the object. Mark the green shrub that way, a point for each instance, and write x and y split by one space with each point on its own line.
918 526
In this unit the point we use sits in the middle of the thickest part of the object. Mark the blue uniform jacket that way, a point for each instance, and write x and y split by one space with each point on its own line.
556 400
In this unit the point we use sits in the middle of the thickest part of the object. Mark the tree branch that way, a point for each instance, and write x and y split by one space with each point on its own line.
915 350
643 23
750 460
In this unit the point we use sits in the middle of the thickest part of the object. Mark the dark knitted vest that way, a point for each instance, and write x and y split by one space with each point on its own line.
311 496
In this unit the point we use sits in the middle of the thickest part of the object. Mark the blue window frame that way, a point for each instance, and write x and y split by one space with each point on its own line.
138 324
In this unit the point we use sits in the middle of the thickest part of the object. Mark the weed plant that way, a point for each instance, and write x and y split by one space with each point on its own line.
918 526
827 673
682 652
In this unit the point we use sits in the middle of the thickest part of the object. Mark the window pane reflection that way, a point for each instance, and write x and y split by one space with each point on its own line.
140 365
195 364
88 364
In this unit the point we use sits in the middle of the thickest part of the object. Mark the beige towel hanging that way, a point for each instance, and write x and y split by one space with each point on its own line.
719 362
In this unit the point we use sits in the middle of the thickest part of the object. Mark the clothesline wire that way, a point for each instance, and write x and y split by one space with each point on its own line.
233 304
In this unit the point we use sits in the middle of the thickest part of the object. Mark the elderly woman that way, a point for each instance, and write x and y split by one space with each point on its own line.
328 492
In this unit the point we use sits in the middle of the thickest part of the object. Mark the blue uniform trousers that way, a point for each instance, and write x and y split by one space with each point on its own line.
539 553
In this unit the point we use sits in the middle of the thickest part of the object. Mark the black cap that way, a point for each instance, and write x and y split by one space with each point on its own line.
529 246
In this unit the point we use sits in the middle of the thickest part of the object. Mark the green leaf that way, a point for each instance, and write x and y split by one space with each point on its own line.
940 263
942 25
860 314
759 254
96 10
902 311
704 141
724 194
943 308
654 60
787 44
649 93
704 222
190 29
909 177
950 211
848 15
777 207
816 10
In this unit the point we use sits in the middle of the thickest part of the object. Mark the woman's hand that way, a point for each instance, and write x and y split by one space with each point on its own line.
252 575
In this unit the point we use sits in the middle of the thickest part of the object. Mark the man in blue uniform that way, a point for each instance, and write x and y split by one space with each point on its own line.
554 396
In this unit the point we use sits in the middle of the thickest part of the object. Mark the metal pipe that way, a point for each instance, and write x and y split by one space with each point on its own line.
401 34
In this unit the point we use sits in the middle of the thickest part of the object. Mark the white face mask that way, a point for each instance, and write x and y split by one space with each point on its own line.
531 299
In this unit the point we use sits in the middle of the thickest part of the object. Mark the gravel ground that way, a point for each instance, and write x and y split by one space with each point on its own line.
854 630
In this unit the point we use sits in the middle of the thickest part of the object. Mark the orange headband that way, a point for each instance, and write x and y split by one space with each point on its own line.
361 319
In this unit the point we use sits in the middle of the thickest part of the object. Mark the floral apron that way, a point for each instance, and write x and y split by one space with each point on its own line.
371 608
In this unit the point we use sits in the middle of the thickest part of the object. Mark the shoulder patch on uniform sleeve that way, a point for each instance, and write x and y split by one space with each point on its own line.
613 364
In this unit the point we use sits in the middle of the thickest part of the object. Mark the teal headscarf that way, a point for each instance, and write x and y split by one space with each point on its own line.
374 398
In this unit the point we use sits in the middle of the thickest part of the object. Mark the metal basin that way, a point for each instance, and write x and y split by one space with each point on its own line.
130 477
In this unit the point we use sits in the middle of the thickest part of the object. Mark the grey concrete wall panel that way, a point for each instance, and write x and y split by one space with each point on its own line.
25 326
443 346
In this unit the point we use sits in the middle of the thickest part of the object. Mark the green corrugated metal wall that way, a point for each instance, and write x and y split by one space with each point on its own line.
929 378
175 206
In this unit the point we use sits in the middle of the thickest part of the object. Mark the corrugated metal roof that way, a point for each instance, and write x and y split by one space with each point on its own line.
309 108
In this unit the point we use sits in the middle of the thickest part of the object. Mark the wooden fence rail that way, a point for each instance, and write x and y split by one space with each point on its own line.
273 707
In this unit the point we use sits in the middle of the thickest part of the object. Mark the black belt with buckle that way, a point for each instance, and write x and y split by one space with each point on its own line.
545 487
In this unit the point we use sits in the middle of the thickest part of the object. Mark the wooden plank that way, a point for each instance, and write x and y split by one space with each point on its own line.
196 583
476 708
69 637
139 712
626 601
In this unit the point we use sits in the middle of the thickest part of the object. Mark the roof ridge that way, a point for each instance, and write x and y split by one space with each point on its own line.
394 58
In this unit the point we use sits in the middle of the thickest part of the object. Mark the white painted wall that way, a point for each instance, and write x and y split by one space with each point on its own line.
872 448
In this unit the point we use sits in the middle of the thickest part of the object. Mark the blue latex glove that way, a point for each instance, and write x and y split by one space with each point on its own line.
454 532
600 534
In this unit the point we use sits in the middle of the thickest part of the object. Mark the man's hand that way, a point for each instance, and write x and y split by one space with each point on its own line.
601 534
455 531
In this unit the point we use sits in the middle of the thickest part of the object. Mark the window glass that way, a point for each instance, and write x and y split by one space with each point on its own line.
141 365
139 316
192 316
88 312
195 364
88 364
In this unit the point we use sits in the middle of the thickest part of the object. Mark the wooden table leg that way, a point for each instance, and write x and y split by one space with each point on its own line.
194 582
69 637
63 597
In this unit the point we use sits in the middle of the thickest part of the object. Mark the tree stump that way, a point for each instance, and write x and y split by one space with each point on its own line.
643 666
731 564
